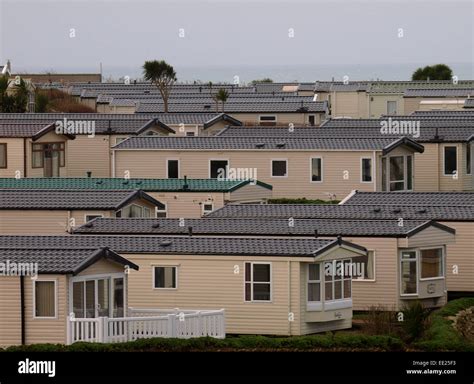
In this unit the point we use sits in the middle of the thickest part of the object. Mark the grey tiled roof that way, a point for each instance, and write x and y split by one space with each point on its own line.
356 212
61 261
250 227
469 103
50 199
450 113
174 245
431 92
270 143
456 199
22 129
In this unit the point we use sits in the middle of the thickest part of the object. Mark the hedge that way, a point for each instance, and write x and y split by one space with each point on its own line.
242 343
441 335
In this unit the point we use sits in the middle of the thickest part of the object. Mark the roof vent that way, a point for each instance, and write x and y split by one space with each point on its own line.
190 230
125 182
99 182
422 210
165 243
280 145
185 185
207 106
138 182
260 145
376 210
397 210
315 233
155 225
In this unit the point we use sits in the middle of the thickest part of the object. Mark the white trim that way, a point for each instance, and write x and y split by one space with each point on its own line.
314 115
157 210
338 304
362 170
375 268
251 282
175 277
46 280
314 305
311 169
267 121
271 169
214 159
91 214
444 146
167 170
203 211
416 274
443 271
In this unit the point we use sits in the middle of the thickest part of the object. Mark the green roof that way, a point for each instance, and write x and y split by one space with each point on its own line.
148 185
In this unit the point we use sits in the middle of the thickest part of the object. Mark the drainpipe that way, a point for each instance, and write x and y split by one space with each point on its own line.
289 297
22 309
374 170
24 157
113 163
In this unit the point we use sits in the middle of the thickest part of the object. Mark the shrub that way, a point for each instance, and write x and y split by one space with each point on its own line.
415 320
379 320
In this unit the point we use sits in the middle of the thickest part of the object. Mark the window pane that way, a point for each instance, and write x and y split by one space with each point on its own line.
165 277
78 299
364 266
313 272
398 186
409 276
118 289
261 291
328 271
367 170
450 160
218 169
3 155
348 269
328 291
103 297
338 270
90 298
278 168
248 275
248 292
45 299
173 169
316 169
468 158
337 290
37 158
396 168
136 211
431 263
314 292
347 289
384 174
267 118
409 172
261 272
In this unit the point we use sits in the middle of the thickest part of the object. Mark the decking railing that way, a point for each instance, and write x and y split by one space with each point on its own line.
147 323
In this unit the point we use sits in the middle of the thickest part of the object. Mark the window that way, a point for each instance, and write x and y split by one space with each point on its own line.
165 277
431 263
312 119
92 217
316 169
133 210
279 168
409 285
45 298
207 208
391 107
450 160
173 169
267 120
161 212
338 280
468 158
257 282
365 266
218 169
3 156
190 134
314 283
366 171
47 151
397 173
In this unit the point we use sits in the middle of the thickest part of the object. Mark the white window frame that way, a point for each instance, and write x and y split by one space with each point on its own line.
204 203
121 138
396 107
176 274
167 168
214 159
375 269
311 169
161 211
444 159
362 170
314 305
130 205
388 182
271 169
443 268
344 302
92 214
416 261
314 115
46 280
252 263
267 121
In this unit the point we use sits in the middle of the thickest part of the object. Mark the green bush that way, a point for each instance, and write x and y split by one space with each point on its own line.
415 320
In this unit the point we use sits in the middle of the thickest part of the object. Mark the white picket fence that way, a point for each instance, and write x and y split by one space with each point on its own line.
147 323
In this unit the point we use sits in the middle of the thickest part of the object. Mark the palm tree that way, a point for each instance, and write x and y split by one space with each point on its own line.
222 96
162 75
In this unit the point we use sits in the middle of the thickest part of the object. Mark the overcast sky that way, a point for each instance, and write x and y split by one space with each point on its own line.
38 35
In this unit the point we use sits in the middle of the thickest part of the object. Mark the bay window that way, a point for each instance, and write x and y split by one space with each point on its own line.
397 173
431 263
409 276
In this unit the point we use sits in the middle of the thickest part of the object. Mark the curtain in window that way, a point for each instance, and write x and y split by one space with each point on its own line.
45 299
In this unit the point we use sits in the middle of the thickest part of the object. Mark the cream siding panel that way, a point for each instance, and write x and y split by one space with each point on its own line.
14 157
79 216
282 118
250 193
430 236
10 311
25 222
188 204
88 154
378 106
345 104
411 104
101 267
427 169
47 330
